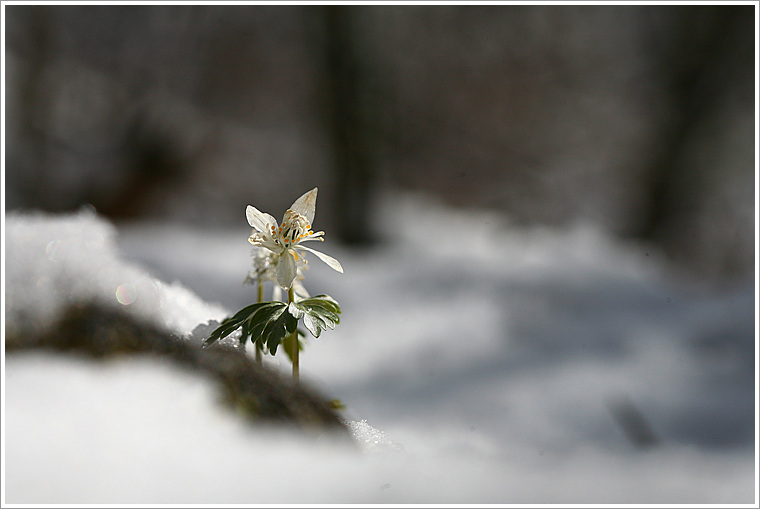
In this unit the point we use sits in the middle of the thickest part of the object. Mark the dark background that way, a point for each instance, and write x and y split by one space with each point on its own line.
638 118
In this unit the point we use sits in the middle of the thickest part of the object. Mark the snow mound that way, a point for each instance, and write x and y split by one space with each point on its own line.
55 261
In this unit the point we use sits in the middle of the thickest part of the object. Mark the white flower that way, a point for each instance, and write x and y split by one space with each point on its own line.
264 270
283 240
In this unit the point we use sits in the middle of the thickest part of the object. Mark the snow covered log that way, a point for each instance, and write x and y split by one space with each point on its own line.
255 391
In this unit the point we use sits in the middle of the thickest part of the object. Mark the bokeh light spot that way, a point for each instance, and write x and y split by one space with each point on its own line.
126 294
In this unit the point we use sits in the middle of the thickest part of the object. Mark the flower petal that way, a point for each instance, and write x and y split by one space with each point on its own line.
306 205
286 269
329 260
265 241
259 220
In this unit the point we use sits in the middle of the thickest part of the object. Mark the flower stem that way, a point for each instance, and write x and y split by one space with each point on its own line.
294 338
257 347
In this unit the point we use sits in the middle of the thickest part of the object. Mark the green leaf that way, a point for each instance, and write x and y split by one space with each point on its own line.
280 324
268 324
249 318
261 315
227 327
324 301
246 311
319 313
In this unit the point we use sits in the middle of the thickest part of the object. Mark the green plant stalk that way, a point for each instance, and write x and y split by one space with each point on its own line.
294 338
256 345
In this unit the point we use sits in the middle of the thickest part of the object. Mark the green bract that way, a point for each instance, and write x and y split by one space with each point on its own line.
319 313
268 323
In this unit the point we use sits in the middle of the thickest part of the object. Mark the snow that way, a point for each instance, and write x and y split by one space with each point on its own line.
53 261
479 362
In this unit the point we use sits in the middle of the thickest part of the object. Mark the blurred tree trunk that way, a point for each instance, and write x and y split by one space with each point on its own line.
346 118
34 110
707 58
